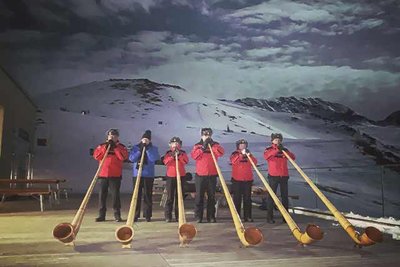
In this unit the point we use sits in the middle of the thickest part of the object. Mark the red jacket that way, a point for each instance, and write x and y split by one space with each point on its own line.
169 161
112 167
204 163
277 161
241 166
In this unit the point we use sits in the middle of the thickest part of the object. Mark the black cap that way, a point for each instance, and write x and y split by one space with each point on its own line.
175 139
113 132
276 135
147 134
206 131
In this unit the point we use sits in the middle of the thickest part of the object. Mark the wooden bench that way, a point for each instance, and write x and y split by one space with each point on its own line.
29 182
27 192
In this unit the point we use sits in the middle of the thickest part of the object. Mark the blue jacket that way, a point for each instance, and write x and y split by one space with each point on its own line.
152 156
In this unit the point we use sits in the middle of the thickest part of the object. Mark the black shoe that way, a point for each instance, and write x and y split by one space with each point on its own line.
100 219
248 220
148 219
271 221
118 219
136 219
168 220
199 220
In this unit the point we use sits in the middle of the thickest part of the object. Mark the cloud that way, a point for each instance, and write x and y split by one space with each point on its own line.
274 48
285 17
272 51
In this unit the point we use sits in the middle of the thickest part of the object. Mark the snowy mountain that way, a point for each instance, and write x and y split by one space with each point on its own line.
172 108
315 106
321 134
392 119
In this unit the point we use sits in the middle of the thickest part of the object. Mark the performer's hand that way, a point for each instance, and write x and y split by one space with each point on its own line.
145 141
210 141
280 147
111 143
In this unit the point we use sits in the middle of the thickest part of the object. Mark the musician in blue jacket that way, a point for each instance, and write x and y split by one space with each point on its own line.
147 178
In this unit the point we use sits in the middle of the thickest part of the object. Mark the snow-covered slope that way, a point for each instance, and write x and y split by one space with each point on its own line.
171 109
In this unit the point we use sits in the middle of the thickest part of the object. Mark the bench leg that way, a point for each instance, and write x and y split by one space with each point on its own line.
57 200
51 200
41 203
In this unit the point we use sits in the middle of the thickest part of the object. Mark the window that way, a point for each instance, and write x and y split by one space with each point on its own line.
42 142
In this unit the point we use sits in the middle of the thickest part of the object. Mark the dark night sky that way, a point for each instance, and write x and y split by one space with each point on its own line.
342 51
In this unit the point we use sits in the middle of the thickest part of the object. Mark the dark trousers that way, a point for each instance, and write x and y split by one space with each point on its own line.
114 184
145 189
172 198
205 184
274 181
242 191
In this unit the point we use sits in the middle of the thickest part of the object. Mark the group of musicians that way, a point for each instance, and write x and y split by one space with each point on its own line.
205 179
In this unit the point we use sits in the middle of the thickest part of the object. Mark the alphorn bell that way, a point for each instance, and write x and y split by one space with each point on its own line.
67 232
248 237
312 233
371 234
125 233
186 230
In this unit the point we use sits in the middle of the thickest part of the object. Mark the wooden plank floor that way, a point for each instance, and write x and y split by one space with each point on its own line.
26 240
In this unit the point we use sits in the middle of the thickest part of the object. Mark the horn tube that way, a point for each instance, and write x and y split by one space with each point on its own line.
312 233
67 232
371 235
186 231
248 237
125 233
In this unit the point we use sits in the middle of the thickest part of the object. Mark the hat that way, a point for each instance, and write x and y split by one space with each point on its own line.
206 131
175 139
147 134
112 132
241 141
276 135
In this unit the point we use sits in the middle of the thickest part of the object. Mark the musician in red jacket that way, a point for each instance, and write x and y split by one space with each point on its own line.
175 145
206 174
278 173
242 178
110 175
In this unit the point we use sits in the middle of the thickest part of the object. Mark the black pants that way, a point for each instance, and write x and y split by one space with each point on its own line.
205 184
114 184
242 191
274 181
145 186
172 198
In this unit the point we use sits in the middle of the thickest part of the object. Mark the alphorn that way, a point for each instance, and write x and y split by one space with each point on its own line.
248 237
186 231
67 232
125 233
312 233
371 235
